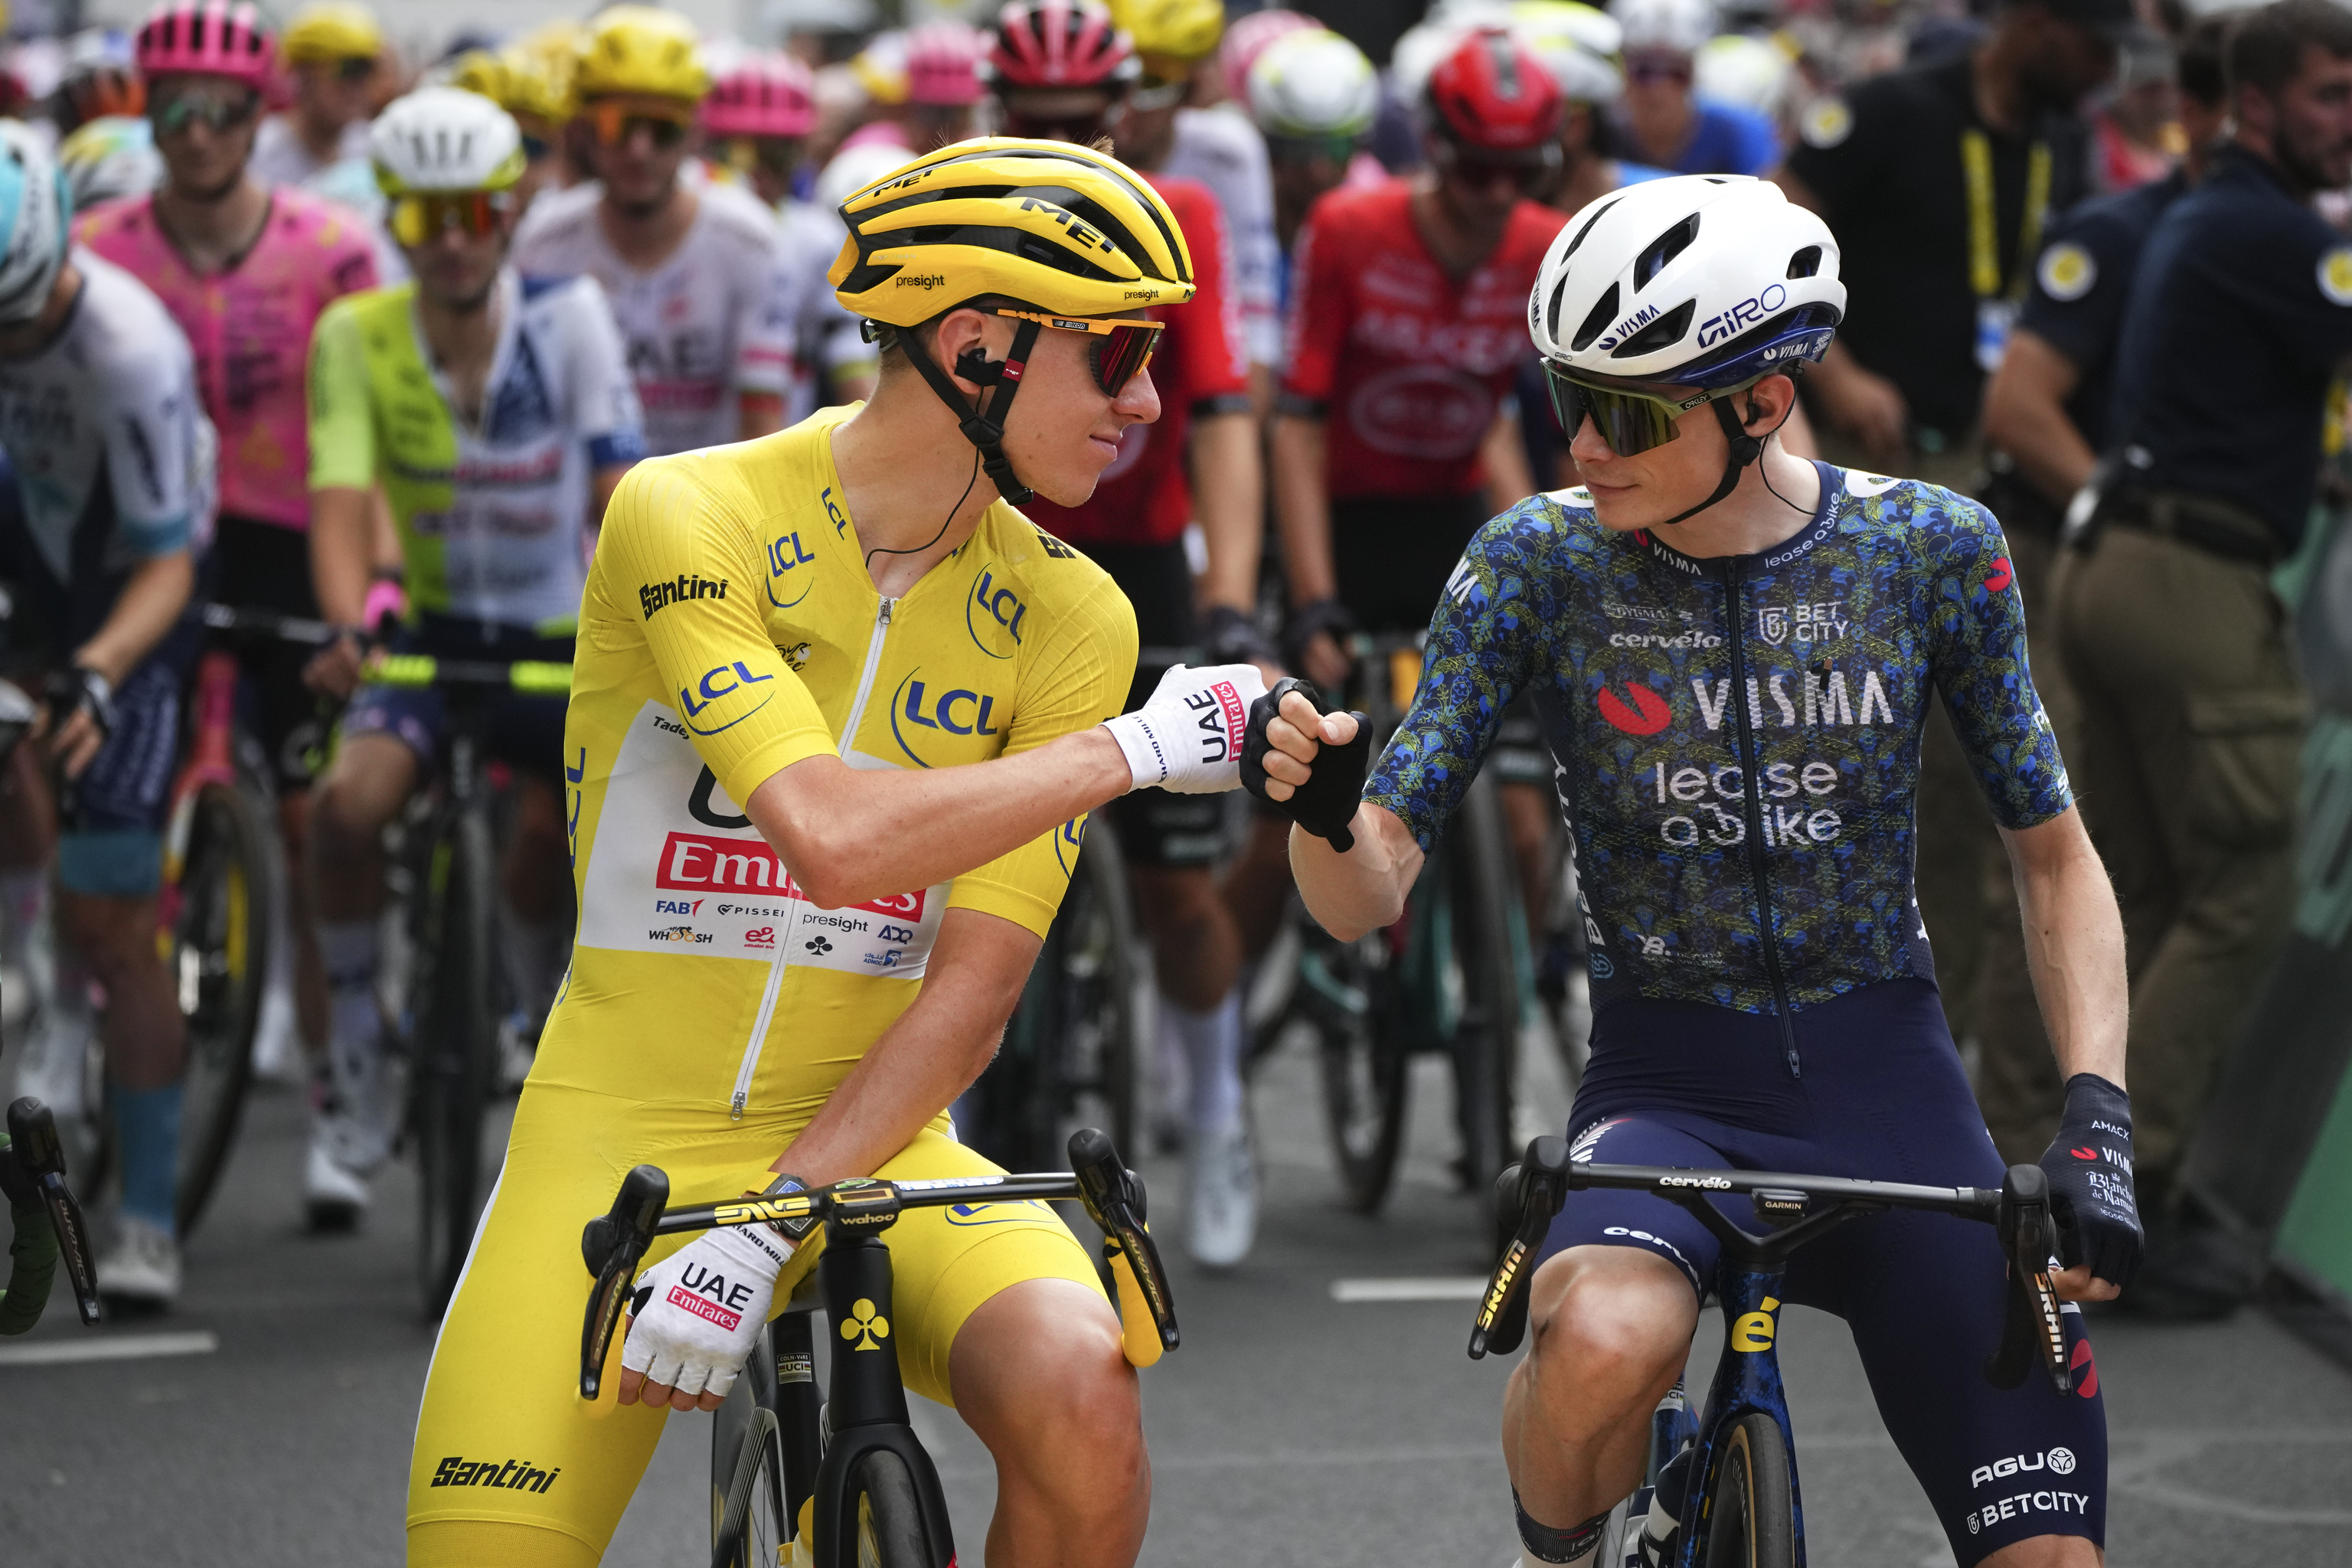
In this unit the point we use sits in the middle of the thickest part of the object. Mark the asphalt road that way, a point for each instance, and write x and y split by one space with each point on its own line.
1292 1428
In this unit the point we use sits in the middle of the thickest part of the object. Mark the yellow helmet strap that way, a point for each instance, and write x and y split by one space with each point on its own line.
983 430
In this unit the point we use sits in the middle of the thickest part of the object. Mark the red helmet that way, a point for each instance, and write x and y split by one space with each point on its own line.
1059 43
1493 94
943 63
205 37
764 94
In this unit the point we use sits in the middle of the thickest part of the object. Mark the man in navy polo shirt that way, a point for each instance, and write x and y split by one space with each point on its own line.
2192 714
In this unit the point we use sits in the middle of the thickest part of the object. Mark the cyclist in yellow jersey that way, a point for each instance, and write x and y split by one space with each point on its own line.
802 924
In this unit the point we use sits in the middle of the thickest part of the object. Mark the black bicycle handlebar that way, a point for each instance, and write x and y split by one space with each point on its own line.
48 1223
614 1242
1533 1192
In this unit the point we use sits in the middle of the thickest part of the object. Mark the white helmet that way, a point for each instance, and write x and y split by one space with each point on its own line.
1751 72
445 139
107 158
1313 82
1708 280
35 212
1678 24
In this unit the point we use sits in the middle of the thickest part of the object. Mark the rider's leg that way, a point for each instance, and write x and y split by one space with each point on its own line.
1256 884
2047 1552
1528 813
1608 1331
310 1001
1039 1375
28 833
373 775
534 878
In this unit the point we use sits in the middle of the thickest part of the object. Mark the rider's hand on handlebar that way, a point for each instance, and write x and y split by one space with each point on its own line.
337 668
80 716
2089 1169
696 1316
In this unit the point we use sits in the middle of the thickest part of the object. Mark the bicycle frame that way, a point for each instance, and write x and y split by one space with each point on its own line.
212 759
868 1409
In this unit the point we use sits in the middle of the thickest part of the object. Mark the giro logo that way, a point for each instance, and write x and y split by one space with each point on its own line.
1647 714
2000 576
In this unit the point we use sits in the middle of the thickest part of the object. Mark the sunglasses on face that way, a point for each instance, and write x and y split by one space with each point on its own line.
534 148
777 156
357 68
1307 149
417 219
1629 422
618 123
173 116
1657 70
1120 353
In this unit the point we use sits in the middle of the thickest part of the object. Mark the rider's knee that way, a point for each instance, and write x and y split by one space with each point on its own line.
347 814
485 1544
1602 1315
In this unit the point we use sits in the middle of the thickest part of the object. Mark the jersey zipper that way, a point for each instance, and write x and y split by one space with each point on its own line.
777 964
1752 800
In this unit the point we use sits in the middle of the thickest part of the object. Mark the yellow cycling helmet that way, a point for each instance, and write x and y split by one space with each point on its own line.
1177 32
641 48
514 79
1050 224
333 30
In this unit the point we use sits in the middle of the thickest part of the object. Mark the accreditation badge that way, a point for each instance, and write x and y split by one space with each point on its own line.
1995 320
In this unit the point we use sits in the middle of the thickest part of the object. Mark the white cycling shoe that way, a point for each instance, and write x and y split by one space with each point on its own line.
1222 1196
142 1269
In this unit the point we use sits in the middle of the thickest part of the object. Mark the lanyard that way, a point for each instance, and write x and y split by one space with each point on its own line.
1984 263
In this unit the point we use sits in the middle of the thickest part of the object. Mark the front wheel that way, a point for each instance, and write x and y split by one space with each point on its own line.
748 1520
218 943
1749 1512
889 1518
454 1056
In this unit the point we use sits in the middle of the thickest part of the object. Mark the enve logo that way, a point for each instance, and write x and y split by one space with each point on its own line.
1646 715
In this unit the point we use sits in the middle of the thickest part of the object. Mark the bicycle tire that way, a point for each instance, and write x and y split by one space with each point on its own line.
1366 1069
218 963
889 1521
454 1057
1090 1060
1480 894
746 1444
1749 1512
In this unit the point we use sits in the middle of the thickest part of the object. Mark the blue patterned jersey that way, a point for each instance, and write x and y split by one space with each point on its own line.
1736 740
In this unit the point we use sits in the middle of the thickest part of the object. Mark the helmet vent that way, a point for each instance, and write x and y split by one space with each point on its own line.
1558 298
1806 262
1662 333
1603 312
1662 249
1581 233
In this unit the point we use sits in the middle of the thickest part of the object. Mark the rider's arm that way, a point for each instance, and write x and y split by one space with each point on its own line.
606 412
2074 944
1302 506
1321 311
1503 458
927 1057
764 356
342 551
149 604
2025 416
342 468
1227 499
1226 465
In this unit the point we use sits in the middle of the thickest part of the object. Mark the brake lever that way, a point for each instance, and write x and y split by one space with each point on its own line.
1541 1188
2032 1320
1114 1200
33 1131
612 1244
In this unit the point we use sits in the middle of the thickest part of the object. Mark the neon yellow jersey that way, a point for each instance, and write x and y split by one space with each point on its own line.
729 630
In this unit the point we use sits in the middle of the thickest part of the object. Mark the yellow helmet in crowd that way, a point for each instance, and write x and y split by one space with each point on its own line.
644 49
329 31
1171 32
1051 224
515 80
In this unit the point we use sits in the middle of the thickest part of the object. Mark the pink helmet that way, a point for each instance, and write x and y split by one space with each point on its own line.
943 63
206 38
1247 37
765 94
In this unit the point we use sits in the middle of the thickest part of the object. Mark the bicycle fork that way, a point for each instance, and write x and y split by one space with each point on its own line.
1746 1381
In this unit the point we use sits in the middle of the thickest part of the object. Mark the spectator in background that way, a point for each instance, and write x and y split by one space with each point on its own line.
519 80
333 50
101 81
1313 95
2133 131
1661 121
1176 41
2046 420
2192 714
1939 181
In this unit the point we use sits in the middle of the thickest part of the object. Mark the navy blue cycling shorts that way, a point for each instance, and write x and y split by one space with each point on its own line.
1881 1096
526 733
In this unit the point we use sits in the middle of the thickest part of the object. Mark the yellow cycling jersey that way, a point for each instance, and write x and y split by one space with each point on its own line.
729 630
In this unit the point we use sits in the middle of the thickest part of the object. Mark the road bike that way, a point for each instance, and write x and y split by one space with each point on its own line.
1068 1058
1444 980
45 1219
844 1482
1743 1507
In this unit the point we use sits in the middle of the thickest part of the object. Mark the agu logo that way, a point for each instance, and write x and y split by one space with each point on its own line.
1641 711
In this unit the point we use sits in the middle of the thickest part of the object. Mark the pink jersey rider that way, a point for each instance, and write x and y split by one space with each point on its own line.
250 327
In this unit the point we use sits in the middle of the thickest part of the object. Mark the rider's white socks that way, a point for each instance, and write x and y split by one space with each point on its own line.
347 950
1212 1046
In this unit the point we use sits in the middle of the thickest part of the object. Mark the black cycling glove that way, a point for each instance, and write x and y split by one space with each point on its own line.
1315 616
1327 802
2090 1170
1229 636
81 690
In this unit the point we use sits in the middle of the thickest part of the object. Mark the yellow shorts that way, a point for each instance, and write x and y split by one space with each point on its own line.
504 1437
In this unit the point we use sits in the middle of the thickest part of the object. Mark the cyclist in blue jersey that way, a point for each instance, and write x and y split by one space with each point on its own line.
1731 651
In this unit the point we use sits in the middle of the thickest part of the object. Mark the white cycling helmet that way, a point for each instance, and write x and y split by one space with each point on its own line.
1705 281
445 139
109 158
1754 73
36 215
1678 24
1313 82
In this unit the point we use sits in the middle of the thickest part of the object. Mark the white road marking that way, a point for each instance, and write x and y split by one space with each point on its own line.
110 1347
1430 1287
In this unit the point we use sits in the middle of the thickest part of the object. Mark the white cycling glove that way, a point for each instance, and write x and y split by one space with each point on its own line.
1187 736
699 1311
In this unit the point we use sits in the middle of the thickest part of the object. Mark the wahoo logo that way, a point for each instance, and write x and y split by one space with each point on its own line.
1641 712
511 1475
655 597
1746 313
